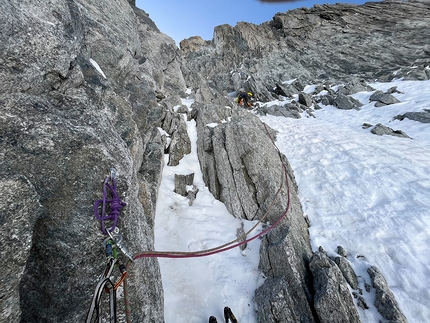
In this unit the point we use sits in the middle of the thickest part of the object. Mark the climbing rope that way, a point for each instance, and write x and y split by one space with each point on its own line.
115 204
235 243
115 208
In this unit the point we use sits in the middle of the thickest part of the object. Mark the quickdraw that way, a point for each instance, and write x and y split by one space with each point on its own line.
105 284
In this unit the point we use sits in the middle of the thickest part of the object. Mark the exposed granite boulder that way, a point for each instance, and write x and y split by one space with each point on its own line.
423 117
276 304
382 99
180 144
392 90
381 130
341 101
354 86
289 110
385 301
332 300
346 268
150 171
341 251
327 100
181 183
185 187
344 102
286 90
347 271
305 99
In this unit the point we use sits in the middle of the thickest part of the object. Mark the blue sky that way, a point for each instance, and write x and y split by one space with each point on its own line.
182 19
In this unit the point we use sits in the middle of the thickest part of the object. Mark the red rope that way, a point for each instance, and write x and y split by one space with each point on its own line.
197 254
177 255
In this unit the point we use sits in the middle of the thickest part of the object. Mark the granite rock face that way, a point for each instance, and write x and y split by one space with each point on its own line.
77 96
243 169
19 208
385 301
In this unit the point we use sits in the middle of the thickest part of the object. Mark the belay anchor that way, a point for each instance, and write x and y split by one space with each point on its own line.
110 245
105 284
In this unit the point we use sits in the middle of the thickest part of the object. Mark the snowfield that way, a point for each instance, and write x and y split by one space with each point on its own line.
368 193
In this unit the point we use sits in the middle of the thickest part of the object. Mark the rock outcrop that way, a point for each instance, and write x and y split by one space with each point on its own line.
382 40
333 302
385 301
423 116
243 169
381 130
382 99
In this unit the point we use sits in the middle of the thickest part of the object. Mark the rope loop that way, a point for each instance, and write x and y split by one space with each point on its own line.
115 205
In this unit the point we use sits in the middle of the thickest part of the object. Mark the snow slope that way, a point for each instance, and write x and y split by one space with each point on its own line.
368 193
195 289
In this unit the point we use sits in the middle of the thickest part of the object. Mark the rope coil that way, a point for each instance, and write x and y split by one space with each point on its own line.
115 204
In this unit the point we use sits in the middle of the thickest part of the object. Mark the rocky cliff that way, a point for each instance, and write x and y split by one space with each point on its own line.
341 42
78 95
83 87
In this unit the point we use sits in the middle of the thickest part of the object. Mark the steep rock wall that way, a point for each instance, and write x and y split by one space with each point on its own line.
78 95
